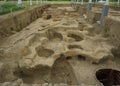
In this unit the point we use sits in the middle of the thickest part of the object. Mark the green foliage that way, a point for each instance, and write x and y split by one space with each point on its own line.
8 8
11 5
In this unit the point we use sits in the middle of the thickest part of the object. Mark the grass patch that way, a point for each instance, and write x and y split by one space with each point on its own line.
59 2
7 8
115 4
12 5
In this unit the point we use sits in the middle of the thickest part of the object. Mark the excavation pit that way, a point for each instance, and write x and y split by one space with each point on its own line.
80 57
75 47
42 52
108 77
76 37
52 45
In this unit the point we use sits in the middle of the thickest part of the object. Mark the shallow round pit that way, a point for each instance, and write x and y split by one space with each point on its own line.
74 47
68 58
80 57
108 77
75 36
43 52
52 34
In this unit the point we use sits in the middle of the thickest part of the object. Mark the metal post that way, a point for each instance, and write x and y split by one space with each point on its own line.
30 2
105 11
89 7
19 3
107 2
73 3
82 2
118 2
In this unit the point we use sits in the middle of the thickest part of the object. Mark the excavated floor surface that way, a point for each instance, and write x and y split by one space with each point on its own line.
60 47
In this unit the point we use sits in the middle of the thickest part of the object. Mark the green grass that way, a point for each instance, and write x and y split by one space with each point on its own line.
114 4
26 4
12 5
7 8
58 2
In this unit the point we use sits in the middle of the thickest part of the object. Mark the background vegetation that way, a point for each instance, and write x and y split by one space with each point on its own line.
11 5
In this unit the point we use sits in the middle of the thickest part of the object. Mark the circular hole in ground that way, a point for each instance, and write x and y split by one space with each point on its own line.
108 77
38 74
76 37
51 35
43 52
80 57
68 58
62 72
74 47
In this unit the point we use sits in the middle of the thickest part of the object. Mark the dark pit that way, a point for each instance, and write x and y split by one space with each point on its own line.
108 77
68 58
80 57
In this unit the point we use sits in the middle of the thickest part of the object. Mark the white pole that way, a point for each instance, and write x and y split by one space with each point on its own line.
82 2
118 1
19 3
107 2
105 11
30 2
96 0
90 1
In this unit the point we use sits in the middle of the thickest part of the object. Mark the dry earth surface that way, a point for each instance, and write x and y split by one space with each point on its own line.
60 47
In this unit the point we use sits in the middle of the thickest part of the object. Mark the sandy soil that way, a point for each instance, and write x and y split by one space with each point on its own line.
60 47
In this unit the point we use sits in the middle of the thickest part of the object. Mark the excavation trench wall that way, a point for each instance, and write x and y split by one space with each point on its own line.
17 22
93 17
61 71
110 26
